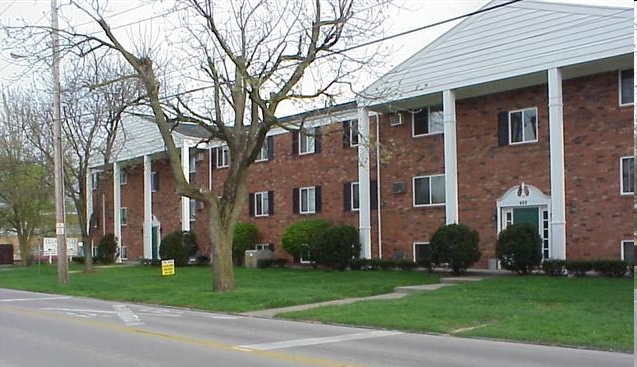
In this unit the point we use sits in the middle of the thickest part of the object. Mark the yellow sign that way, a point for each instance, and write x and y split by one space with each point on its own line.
168 267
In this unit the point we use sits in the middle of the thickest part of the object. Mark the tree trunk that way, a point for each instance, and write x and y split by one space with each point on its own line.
25 250
221 233
88 253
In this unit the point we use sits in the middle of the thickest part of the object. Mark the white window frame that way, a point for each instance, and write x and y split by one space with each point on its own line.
524 140
310 207
429 124
621 249
413 186
124 252
620 94
192 164
123 216
154 181
353 133
354 192
622 189
123 178
414 244
263 153
223 157
305 248
307 142
264 198
94 180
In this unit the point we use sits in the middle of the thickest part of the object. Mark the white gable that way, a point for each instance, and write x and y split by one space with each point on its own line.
513 40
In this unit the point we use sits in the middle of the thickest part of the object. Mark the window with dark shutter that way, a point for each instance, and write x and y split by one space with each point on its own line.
373 194
251 204
270 144
295 142
317 140
317 197
503 128
347 132
271 202
347 196
420 123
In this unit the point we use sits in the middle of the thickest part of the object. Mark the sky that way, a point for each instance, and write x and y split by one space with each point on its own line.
135 17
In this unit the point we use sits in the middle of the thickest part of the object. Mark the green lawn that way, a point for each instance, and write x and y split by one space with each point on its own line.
192 286
587 312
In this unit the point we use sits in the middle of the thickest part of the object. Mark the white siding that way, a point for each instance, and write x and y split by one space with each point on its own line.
514 40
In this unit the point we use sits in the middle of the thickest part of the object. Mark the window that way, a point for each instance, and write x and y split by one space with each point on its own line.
193 209
422 252
123 178
351 201
267 150
429 190
154 182
223 157
306 200
628 250
626 87
123 216
306 142
523 126
261 205
192 164
95 180
124 252
627 172
350 133
427 121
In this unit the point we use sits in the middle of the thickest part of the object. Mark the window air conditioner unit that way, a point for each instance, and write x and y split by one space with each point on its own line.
396 119
398 187
200 156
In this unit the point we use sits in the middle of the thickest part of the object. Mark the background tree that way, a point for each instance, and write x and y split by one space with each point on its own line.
25 189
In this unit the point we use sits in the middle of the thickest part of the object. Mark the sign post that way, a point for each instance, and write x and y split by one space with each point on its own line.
167 267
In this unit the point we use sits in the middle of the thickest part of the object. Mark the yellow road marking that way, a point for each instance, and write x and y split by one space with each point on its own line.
280 356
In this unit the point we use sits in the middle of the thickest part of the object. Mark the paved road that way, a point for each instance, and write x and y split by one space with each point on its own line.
49 330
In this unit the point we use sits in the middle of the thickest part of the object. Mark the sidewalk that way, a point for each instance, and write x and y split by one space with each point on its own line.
399 292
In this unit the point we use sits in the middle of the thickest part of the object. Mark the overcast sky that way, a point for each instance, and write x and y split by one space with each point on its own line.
410 14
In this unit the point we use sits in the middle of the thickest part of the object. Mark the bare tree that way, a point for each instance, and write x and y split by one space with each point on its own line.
248 58
25 177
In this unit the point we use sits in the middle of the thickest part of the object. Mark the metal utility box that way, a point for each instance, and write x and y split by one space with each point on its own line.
252 257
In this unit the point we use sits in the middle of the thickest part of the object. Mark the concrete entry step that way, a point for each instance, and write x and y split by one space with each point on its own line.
421 288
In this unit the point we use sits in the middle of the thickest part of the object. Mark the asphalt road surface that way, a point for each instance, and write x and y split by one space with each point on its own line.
61 331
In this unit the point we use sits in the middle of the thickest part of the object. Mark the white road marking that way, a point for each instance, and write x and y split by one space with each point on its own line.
32 299
316 341
126 315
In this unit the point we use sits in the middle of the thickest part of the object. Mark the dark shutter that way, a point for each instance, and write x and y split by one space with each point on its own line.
295 200
270 144
317 140
373 194
317 197
251 204
270 202
503 128
295 142
214 158
347 196
347 131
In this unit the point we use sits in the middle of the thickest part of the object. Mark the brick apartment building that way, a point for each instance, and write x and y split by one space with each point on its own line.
518 114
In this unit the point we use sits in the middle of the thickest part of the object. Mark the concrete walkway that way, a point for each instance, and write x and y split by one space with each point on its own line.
399 292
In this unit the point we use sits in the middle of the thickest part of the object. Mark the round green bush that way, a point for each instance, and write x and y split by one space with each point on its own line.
335 246
455 245
179 246
244 238
299 234
519 248
106 249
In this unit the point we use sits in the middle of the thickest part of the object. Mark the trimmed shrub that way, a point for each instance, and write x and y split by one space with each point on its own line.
180 246
358 264
554 267
244 238
106 248
578 267
299 234
406 265
279 262
202 259
611 268
455 245
335 246
264 263
519 248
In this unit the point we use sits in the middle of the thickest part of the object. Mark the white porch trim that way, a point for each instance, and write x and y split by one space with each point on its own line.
364 213
117 209
556 137
148 208
451 160
185 201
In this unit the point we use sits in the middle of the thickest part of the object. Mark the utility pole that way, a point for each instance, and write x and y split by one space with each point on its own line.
63 266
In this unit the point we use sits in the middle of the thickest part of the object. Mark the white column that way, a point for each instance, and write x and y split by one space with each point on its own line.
89 200
117 206
148 208
364 212
451 156
185 201
556 138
